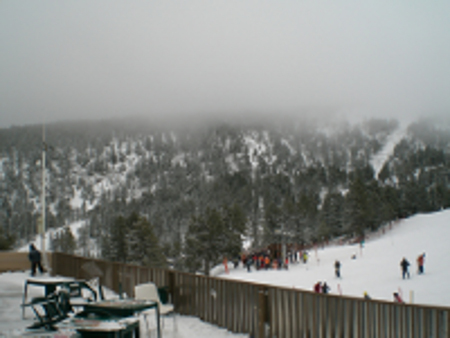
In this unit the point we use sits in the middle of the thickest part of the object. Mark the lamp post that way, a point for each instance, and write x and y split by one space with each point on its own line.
43 227
283 245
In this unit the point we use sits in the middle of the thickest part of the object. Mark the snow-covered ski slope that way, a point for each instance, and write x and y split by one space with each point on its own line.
376 268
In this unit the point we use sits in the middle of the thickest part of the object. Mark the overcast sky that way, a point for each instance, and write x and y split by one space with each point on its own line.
183 59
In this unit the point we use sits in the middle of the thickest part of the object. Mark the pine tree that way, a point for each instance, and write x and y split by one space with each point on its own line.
83 240
357 208
213 236
6 241
63 241
234 227
332 215
68 241
117 245
143 245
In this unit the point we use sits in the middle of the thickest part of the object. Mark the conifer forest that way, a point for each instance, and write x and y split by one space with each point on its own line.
186 197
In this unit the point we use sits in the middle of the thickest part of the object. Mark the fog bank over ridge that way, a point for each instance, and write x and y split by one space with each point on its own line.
200 59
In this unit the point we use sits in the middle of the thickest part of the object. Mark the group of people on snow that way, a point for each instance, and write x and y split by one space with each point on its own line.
324 288
321 288
404 264
262 260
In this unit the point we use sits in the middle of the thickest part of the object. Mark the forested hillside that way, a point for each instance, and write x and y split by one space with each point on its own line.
192 191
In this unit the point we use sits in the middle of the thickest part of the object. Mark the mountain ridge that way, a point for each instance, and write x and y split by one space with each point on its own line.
324 172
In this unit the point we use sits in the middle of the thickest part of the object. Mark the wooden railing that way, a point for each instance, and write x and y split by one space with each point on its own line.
265 310
16 261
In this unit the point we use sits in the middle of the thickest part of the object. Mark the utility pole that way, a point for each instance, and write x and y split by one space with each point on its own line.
43 227
283 243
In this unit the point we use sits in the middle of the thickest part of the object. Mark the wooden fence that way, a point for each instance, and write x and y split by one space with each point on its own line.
264 310
16 261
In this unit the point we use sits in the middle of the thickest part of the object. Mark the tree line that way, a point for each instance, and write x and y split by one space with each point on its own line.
188 192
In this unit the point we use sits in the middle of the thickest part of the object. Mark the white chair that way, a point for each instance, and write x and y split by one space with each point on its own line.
149 291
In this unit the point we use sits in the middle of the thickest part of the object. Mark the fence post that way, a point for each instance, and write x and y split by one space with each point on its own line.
54 259
447 324
262 309
171 285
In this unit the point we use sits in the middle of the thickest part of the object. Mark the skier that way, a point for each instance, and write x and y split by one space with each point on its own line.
248 263
337 268
35 258
325 288
397 298
318 287
420 261
404 264
225 264
261 262
305 257
366 296
267 262
236 262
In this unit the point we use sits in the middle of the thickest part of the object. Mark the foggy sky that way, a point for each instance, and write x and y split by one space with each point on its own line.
183 59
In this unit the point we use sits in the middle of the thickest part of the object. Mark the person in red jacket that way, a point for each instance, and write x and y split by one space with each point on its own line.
318 287
397 298
267 262
420 262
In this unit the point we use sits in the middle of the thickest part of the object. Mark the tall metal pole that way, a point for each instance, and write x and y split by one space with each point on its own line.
283 245
43 227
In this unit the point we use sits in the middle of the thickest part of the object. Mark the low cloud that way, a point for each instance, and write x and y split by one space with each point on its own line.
181 60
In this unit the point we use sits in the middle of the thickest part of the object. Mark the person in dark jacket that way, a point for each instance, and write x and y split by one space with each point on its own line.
35 258
248 263
325 288
405 265
337 268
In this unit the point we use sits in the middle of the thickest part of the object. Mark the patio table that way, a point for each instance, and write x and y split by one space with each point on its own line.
122 308
50 285
100 328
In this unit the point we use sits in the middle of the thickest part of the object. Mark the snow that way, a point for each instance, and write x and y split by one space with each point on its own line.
387 151
376 270
77 201
12 324
74 228
291 149
91 247
255 148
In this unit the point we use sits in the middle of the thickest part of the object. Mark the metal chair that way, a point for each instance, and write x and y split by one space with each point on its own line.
50 310
149 291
